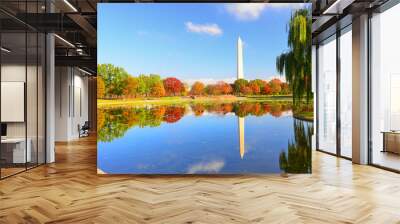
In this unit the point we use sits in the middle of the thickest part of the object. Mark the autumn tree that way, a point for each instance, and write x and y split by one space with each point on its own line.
209 89
197 88
239 84
147 82
101 88
173 86
267 89
131 88
275 86
285 88
254 88
224 88
245 90
158 90
114 79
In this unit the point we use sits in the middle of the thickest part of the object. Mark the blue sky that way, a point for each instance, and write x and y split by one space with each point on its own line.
193 41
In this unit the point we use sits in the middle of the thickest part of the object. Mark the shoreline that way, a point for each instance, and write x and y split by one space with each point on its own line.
109 103
177 100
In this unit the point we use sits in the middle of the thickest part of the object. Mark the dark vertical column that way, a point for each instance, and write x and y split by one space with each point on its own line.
26 87
369 43
317 97
338 74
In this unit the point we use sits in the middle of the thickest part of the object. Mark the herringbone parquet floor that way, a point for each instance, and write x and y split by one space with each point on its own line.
70 191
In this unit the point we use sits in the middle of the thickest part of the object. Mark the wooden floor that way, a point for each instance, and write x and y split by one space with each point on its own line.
70 191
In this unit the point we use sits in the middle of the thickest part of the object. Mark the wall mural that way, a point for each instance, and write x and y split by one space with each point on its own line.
225 90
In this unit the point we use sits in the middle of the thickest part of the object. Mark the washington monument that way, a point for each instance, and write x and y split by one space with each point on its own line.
240 76
240 59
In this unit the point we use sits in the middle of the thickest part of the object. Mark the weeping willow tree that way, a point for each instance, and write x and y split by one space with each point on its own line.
295 64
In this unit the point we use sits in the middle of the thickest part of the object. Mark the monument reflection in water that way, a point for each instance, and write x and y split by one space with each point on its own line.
203 139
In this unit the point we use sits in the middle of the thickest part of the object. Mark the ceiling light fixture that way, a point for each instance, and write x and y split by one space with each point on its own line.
70 5
5 50
65 41
86 72
337 7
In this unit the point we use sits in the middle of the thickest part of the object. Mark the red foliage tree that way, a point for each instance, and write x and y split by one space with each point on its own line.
246 90
254 88
173 86
267 89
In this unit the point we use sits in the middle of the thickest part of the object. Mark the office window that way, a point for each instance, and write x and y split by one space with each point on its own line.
346 92
327 95
385 89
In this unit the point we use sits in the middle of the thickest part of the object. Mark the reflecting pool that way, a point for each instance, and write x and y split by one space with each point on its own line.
203 138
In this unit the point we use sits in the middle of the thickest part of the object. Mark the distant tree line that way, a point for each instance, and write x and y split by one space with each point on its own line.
115 82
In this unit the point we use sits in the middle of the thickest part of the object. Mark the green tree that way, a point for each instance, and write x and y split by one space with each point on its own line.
114 79
143 88
295 64
239 84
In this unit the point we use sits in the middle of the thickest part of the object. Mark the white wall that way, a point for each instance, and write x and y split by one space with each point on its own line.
71 102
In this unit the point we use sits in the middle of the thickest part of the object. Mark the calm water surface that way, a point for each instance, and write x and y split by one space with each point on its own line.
222 138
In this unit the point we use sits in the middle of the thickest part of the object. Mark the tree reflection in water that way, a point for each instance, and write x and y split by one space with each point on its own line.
298 157
112 123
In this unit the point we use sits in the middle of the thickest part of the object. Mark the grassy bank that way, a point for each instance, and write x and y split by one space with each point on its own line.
304 112
182 100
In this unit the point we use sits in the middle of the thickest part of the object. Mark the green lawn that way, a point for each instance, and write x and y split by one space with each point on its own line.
178 100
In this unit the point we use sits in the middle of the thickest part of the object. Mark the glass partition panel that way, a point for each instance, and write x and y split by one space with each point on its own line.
327 95
346 92
41 98
13 93
31 98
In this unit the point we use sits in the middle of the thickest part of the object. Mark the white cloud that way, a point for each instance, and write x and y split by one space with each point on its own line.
288 5
210 29
246 11
210 167
252 11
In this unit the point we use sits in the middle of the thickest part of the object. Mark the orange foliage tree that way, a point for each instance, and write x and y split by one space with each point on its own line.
197 88
158 90
275 86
